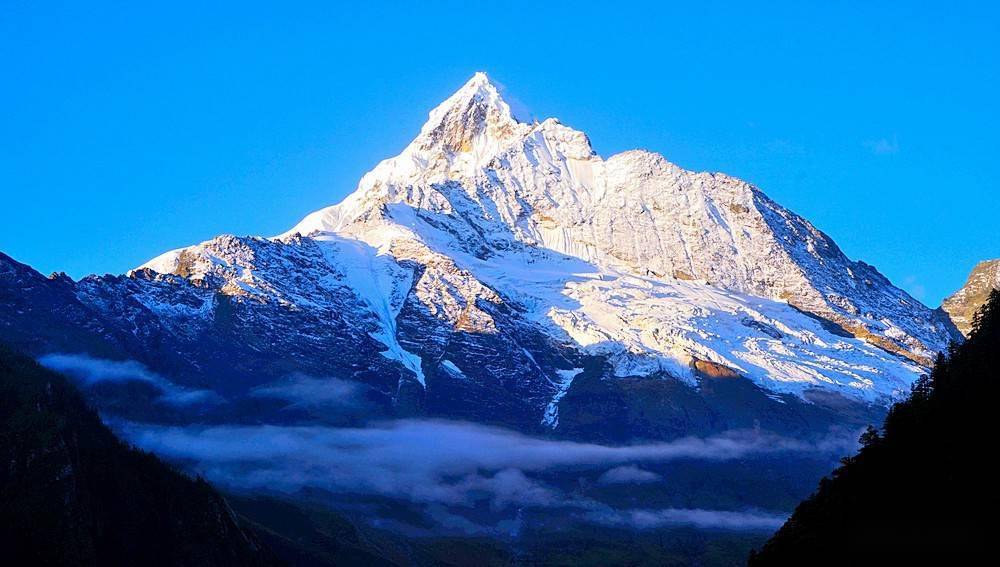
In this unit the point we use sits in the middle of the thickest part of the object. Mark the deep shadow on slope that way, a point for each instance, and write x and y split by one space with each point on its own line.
925 486
71 493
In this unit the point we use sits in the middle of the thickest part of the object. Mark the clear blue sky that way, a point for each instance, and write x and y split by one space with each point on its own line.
128 130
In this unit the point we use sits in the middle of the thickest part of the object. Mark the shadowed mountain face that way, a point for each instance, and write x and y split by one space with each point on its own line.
137 364
495 271
73 494
922 488
500 345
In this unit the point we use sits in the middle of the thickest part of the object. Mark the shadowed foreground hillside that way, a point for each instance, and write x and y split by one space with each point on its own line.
71 493
924 486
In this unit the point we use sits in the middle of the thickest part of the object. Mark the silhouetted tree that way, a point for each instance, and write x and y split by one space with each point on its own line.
926 488
71 493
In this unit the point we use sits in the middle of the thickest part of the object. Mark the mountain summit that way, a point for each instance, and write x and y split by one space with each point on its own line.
963 304
501 184
475 120
494 264
461 136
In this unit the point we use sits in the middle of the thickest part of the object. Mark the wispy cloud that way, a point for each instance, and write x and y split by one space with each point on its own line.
706 519
452 464
305 391
628 474
89 371
518 108
883 146
441 467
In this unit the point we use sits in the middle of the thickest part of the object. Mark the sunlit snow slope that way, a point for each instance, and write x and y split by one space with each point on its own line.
660 270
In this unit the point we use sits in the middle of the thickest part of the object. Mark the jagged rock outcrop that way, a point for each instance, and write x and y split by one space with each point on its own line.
963 304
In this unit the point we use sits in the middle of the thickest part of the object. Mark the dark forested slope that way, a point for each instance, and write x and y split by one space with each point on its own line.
926 484
71 493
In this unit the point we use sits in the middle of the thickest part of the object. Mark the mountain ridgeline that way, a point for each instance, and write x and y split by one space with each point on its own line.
500 271
71 493
921 487
671 357
964 303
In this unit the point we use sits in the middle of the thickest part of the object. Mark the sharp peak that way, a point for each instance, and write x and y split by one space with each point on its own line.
480 83
479 78
478 90
475 115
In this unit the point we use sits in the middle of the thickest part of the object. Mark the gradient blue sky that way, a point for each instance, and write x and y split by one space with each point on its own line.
128 130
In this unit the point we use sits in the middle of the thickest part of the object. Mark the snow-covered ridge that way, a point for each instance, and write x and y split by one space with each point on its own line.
631 257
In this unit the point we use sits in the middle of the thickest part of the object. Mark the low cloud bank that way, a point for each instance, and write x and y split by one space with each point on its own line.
407 453
89 371
629 474
307 392
445 476
450 470
705 519
452 464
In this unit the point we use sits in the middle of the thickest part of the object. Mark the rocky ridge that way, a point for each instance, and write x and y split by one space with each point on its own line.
494 263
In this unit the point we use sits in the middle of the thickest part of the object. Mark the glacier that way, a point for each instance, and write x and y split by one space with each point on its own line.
660 270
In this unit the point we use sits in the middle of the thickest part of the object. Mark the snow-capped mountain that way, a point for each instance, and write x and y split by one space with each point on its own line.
496 266
963 304
620 255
